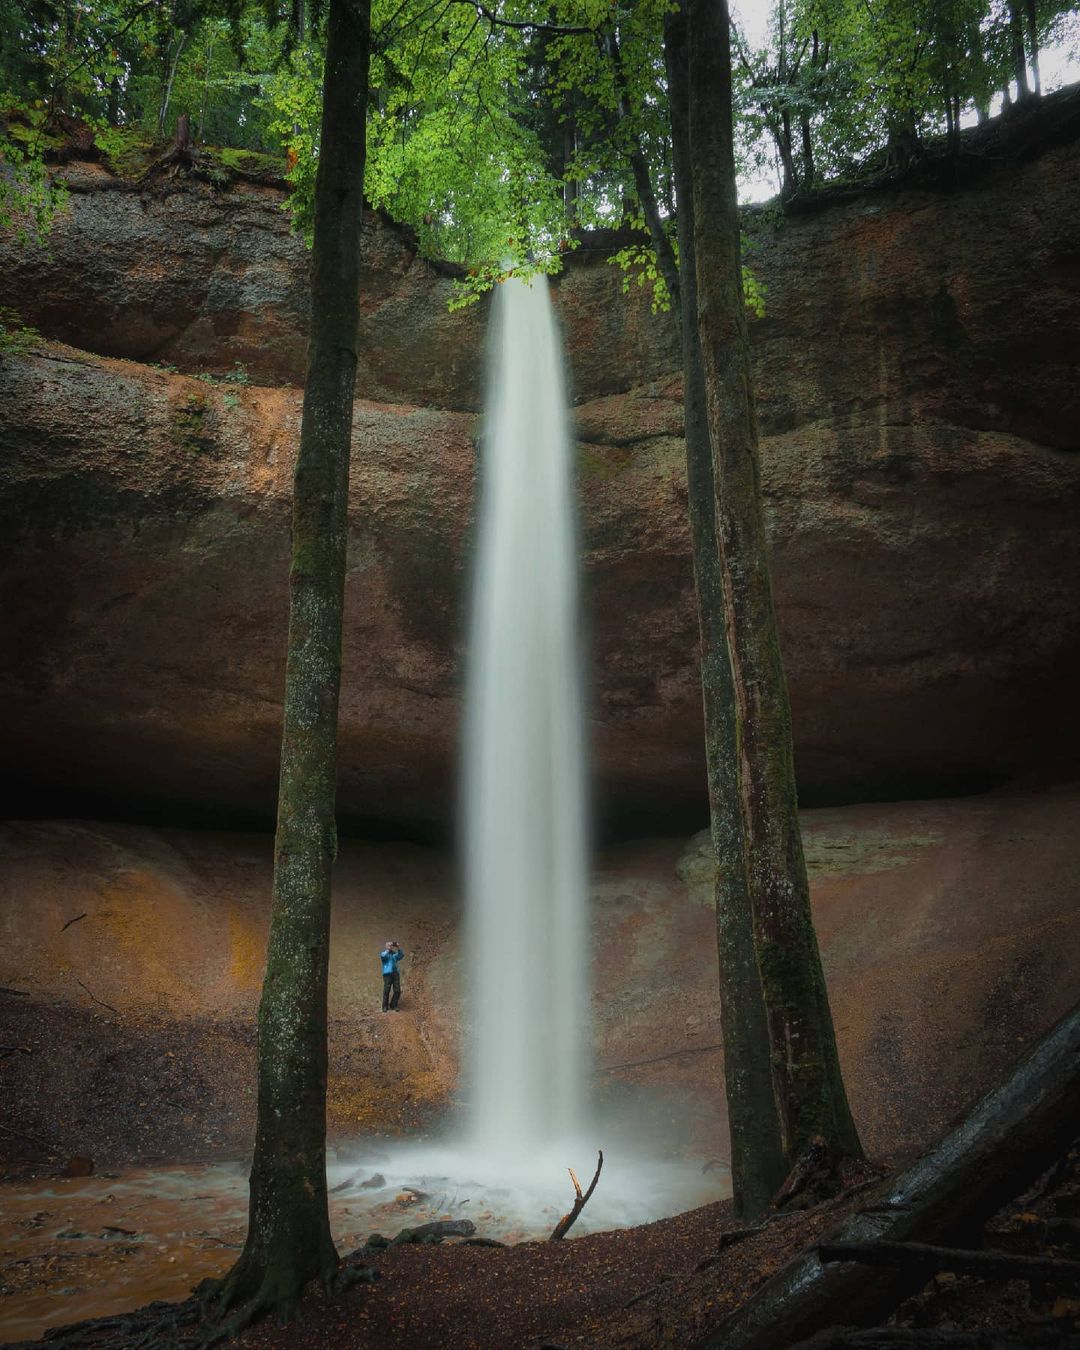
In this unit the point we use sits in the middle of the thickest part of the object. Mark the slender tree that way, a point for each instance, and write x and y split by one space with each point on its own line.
757 1158
807 1082
288 1240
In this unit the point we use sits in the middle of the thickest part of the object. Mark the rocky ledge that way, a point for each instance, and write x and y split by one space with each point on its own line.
931 638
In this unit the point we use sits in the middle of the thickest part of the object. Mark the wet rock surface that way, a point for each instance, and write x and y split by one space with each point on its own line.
947 931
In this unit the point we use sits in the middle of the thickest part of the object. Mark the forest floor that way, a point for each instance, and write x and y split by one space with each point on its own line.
665 1283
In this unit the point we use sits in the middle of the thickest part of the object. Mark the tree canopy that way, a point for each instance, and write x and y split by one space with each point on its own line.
498 129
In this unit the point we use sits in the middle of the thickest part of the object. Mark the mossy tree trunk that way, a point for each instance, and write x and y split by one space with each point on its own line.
288 1240
757 1158
808 1086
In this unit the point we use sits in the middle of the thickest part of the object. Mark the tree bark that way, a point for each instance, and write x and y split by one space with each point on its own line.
1008 1139
807 1082
1016 33
790 185
816 64
757 1159
570 185
288 1240
1031 13
170 77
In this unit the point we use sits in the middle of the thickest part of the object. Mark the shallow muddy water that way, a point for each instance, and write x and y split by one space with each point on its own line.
74 1248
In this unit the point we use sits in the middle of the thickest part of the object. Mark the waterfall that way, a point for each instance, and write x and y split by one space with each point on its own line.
525 963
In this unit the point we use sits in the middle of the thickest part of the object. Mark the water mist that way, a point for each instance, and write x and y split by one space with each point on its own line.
526 963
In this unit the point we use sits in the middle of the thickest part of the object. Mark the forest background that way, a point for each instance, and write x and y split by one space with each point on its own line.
555 121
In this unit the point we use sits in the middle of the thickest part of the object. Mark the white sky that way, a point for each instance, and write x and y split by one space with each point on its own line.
1057 68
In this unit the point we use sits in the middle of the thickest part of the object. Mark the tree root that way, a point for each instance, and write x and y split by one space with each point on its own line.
247 1314
226 1312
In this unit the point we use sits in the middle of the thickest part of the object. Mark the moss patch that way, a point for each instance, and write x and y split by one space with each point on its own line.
866 851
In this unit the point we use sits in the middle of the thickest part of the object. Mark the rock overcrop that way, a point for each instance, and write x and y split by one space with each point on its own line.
916 387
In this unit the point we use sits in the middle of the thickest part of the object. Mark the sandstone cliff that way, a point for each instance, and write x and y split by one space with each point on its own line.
947 932
917 391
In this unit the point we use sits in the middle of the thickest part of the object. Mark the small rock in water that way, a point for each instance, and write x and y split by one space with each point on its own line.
373 1182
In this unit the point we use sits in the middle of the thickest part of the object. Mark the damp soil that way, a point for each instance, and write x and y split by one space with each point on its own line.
122 1089
665 1283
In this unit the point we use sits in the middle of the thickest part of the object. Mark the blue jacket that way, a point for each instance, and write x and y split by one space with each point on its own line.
390 959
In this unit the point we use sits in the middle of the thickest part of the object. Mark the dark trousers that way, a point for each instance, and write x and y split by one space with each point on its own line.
391 981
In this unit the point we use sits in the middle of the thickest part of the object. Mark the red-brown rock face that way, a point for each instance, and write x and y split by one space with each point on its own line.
947 930
917 392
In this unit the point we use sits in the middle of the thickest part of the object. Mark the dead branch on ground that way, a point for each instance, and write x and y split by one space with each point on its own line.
97 1000
580 1201
984 1265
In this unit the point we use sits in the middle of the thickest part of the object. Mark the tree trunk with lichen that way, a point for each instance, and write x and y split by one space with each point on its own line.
808 1086
288 1240
757 1158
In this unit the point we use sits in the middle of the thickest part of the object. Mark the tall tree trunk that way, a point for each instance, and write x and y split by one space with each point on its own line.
806 1071
790 185
288 1239
807 151
816 63
757 1158
170 78
1031 13
665 254
1016 33
201 132
570 185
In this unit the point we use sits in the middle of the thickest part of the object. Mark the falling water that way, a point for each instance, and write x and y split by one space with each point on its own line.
525 960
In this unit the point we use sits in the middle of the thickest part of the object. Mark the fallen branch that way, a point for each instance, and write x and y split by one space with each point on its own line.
22 993
580 1201
344 1185
1008 1140
96 999
927 1258
71 921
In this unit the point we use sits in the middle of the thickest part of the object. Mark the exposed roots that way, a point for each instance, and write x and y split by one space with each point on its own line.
229 1309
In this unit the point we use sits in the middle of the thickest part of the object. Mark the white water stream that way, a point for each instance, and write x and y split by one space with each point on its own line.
526 963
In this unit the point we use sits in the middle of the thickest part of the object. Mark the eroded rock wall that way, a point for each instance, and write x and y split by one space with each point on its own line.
947 932
918 400
931 637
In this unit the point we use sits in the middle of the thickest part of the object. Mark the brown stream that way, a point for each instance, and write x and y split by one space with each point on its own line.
76 1248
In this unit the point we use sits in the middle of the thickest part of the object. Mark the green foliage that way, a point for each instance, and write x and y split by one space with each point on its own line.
637 261
29 196
856 83
238 375
495 134
16 337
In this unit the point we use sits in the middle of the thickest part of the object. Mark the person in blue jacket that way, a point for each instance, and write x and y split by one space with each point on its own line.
390 956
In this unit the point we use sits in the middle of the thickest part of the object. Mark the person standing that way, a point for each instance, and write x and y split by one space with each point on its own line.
390 956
